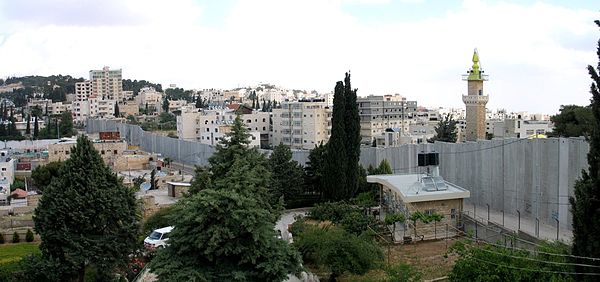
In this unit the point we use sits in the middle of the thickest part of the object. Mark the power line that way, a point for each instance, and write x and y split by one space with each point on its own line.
483 149
537 270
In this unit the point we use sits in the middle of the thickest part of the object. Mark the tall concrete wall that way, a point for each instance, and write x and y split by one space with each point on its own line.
534 177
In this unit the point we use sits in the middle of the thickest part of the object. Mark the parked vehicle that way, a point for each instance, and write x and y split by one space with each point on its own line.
159 238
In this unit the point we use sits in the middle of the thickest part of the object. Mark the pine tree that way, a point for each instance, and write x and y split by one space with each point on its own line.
585 206
336 160
153 180
28 127
446 130
287 174
313 171
165 104
117 113
76 236
198 103
234 144
352 128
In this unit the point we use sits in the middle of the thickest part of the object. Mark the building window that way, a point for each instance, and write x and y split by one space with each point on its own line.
3 169
115 152
102 152
453 213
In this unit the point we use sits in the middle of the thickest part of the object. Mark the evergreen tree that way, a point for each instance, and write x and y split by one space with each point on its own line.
3 131
234 144
225 235
36 130
153 180
585 206
198 103
336 159
146 108
28 127
352 128
446 130
165 104
86 218
66 124
313 171
117 113
287 174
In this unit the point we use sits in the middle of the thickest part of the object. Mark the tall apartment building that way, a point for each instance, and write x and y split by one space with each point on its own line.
210 126
107 84
97 96
378 113
302 124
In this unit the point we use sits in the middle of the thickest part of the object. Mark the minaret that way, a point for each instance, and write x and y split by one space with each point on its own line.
475 101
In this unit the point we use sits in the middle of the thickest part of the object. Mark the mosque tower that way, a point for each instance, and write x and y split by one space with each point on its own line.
475 101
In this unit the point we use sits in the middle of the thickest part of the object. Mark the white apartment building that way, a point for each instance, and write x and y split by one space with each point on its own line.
7 172
378 113
149 96
210 126
302 124
176 105
97 96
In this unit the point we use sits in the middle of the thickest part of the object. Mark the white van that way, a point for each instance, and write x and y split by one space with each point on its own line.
158 238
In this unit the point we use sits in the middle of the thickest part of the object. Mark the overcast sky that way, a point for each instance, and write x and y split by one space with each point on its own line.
535 52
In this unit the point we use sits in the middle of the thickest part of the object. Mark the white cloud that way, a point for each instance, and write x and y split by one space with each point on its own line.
535 55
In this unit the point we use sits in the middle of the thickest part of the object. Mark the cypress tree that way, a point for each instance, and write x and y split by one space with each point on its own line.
117 113
336 160
36 129
585 206
352 127
28 128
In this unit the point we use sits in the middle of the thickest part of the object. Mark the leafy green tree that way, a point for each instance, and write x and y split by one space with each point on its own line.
75 236
336 159
392 219
446 130
43 175
66 124
352 128
573 121
16 238
585 205
287 173
224 235
337 250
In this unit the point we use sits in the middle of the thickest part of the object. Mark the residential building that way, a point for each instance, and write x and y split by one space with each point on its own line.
97 96
129 108
475 102
148 96
378 113
107 84
210 126
7 172
109 149
302 124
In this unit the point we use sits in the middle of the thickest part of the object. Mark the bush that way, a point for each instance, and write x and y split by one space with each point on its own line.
1 238
29 236
333 212
159 219
16 238
403 273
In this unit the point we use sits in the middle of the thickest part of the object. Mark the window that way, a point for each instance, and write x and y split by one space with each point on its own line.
453 213
429 211
115 152
3 169
102 152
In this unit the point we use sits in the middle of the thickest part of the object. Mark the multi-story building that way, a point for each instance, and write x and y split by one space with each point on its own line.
107 84
97 96
302 124
148 96
210 126
378 113
7 172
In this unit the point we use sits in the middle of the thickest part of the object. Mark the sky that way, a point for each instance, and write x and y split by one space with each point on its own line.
535 52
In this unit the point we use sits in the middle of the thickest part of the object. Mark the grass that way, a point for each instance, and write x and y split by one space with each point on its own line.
14 252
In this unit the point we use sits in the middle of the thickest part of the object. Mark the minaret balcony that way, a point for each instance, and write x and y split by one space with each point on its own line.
475 99
481 76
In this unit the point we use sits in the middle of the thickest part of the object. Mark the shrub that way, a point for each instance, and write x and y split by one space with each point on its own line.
333 212
159 219
403 272
29 236
1 238
16 238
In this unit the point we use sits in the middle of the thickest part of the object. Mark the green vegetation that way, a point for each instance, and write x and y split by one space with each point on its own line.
15 252
58 126
1 238
225 228
76 237
16 238
135 85
167 121
54 87
43 175
160 219
446 130
573 121
585 205
343 149
495 263
17 184
287 174
29 236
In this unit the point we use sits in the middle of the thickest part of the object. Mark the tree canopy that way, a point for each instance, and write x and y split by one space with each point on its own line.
43 175
287 174
446 130
573 121
585 205
86 217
